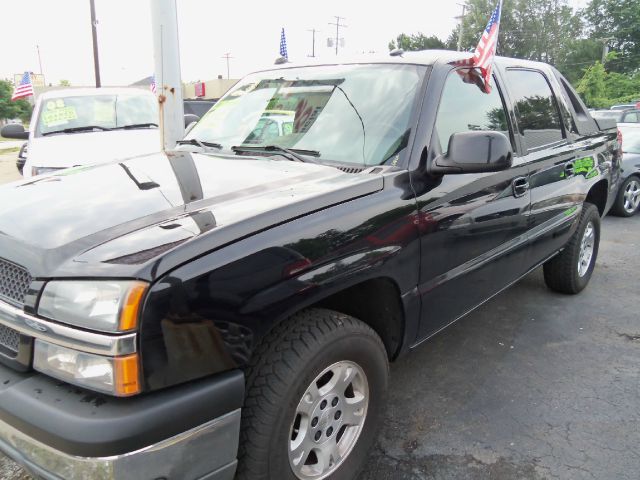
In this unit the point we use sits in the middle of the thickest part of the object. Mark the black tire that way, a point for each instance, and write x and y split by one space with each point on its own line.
618 208
286 362
561 273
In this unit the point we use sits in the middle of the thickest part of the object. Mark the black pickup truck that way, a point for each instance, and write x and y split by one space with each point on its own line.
231 307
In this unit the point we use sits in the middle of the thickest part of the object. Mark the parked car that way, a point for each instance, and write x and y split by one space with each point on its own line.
629 115
628 198
232 309
626 106
73 127
197 107
120 144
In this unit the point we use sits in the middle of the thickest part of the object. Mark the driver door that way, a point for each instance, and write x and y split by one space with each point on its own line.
473 226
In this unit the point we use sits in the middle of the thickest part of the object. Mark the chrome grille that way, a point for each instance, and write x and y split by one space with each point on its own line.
9 339
14 281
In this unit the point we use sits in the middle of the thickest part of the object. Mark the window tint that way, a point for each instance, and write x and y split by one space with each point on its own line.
465 107
536 110
631 118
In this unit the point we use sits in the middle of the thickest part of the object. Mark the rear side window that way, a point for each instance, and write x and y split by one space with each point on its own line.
536 108
465 107
630 118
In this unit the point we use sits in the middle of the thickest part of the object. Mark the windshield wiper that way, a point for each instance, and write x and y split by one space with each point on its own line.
136 125
199 143
293 154
78 129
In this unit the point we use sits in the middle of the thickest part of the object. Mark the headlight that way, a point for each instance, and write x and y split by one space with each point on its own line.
115 376
103 305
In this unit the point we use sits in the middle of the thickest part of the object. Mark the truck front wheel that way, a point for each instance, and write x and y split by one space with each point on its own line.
315 393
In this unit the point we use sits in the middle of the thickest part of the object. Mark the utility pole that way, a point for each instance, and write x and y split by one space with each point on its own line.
338 25
313 42
605 48
227 56
39 59
166 56
94 32
461 31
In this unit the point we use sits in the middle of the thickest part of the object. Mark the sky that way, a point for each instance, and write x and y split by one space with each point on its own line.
247 29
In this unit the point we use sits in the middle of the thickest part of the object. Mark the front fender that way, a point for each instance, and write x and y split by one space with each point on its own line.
208 315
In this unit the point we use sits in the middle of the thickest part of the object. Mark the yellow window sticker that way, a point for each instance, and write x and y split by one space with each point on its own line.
59 116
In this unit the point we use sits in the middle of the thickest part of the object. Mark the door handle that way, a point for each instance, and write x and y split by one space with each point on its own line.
520 186
569 169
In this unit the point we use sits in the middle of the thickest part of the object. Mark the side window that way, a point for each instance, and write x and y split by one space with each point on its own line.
631 118
465 107
536 108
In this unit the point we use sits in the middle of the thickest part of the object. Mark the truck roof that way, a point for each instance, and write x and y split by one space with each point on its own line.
422 57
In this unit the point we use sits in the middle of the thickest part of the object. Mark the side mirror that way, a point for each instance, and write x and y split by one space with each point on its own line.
475 152
190 118
14 130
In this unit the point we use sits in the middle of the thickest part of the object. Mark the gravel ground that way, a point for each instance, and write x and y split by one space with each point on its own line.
8 170
533 385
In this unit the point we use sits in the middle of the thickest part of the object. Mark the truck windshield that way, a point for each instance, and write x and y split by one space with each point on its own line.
103 112
355 114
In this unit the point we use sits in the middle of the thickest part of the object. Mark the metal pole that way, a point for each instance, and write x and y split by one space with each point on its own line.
338 25
227 56
39 59
166 55
94 33
313 42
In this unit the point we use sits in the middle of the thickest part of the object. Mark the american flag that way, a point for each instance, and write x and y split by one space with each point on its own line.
283 45
152 85
25 88
486 49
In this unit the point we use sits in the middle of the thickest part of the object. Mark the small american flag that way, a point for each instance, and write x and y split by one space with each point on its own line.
152 85
283 45
25 88
486 49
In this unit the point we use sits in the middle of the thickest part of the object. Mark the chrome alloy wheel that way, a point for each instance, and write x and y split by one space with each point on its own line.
587 247
328 421
631 196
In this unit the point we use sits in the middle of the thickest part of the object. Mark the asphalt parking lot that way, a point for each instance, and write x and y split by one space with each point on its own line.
533 385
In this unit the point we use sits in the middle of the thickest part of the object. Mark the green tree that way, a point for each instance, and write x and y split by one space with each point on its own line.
17 109
416 42
531 29
592 86
617 22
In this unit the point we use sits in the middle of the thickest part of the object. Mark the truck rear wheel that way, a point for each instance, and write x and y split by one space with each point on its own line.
315 393
571 270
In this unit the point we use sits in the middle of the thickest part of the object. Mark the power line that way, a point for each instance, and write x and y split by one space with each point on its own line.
338 25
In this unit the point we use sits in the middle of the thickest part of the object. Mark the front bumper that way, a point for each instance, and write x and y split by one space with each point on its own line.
57 431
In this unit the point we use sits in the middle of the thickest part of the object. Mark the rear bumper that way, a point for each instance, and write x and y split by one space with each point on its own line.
57 431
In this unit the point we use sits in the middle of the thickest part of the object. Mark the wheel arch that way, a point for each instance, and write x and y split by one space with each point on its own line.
598 195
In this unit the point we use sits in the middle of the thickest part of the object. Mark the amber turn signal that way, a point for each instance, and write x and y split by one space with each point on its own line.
126 376
132 306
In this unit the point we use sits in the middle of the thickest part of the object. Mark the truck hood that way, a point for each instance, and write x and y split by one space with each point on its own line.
122 218
84 148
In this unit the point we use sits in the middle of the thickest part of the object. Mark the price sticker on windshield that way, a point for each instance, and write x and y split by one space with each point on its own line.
59 116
